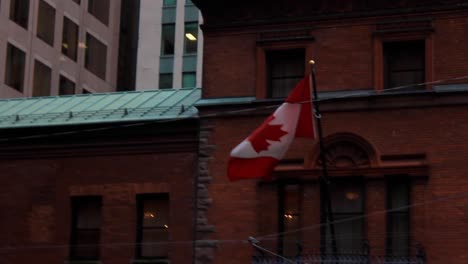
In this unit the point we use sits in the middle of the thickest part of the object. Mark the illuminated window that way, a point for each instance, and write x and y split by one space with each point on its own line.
69 38
347 202
153 226
191 38
290 197
46 23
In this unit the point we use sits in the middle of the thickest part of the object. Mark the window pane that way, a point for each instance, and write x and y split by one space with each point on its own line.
397 79
165 80
69 38
14 70
86 212
87 244
66 86
346 197
404 64
290 208
398 221
291 239
46 23
155 213
282 87
154 243
189 79
291 199
349 235
19 12
100 10
169 2
42 76
285 69
347 202
167 39
399 196
96 55
153 226
399 235
191 38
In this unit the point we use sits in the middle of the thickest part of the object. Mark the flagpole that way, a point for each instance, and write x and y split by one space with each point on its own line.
324 179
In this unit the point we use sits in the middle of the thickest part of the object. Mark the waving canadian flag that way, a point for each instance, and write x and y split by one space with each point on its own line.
258 154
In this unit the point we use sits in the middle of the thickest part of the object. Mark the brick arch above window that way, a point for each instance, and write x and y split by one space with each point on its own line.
352 155
345 151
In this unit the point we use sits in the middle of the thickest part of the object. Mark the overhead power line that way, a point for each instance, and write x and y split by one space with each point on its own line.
219 114
269 237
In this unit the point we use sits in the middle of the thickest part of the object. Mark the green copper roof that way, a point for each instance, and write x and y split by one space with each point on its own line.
99 108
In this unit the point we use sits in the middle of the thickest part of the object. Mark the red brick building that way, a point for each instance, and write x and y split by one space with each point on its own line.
392 79
134 178
98 178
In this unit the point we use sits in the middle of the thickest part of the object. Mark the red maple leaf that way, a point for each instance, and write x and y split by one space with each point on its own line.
265 132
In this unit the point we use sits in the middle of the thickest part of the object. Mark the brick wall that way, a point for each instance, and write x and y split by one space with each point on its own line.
343 50
36 196
248 208
346 52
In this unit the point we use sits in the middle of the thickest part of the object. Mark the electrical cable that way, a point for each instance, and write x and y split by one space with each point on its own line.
219 114
227 113
458 195
269 237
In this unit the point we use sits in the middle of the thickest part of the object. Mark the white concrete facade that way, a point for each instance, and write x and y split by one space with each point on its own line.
149 45
37 49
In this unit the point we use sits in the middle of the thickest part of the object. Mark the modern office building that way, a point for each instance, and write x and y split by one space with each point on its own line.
52 47
169 53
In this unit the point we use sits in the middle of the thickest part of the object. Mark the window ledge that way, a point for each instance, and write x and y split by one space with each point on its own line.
150 261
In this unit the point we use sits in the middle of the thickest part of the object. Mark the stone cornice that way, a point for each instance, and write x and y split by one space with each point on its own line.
74 141
244 16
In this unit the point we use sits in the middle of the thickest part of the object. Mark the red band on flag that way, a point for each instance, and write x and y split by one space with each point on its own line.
261 167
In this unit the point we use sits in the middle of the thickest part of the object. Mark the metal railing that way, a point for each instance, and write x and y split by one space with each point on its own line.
338 259
363 257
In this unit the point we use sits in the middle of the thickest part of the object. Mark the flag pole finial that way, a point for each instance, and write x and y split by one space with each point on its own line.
311 62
